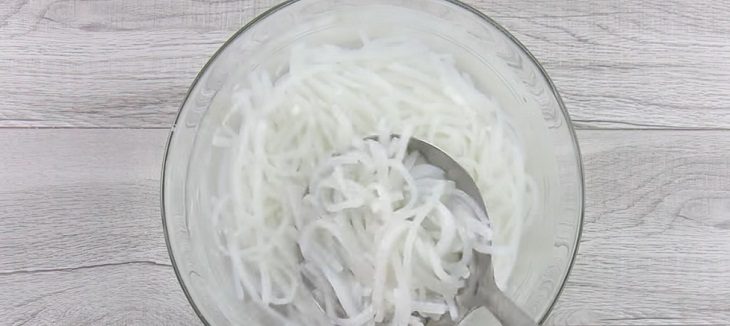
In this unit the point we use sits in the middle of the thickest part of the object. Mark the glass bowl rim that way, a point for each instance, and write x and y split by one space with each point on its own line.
458 3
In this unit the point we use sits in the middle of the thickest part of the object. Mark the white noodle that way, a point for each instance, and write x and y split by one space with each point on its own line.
396 252
297 176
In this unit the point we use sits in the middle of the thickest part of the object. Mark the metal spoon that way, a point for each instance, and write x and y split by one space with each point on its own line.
481 290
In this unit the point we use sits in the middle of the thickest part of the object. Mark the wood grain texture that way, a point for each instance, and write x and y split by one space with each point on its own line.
630 64
68 199
656 240
107 63
132 293
618 63
90 251
81 240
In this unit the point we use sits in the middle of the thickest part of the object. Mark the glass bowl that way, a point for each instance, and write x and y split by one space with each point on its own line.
495 59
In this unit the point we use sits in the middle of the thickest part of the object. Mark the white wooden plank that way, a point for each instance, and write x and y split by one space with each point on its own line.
107 63
618 64
81 239
630 64
73 198
654 251
656 241
132 293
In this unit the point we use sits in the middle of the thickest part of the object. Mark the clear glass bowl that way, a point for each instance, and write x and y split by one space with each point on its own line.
485 50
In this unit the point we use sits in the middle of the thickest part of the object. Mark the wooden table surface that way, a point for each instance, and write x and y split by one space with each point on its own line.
88 90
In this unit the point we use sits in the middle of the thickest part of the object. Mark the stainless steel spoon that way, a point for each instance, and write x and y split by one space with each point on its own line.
481 290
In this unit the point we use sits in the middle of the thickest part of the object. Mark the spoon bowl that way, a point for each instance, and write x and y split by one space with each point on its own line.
481 289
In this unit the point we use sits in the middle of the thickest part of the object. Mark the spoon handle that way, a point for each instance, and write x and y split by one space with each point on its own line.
506 311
